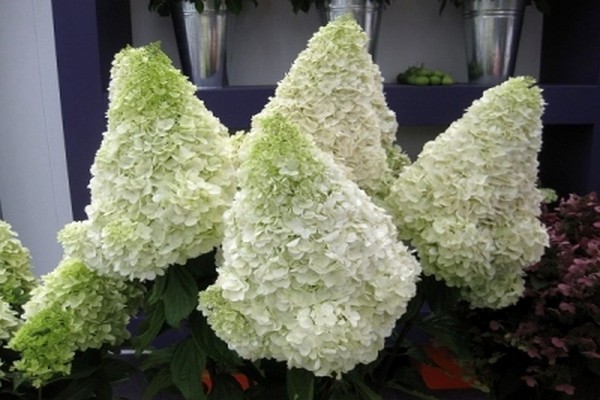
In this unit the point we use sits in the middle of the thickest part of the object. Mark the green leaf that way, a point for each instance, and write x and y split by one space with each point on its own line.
180 296
199 5
233 6
158 288
160 381
117 369
365 391
80 389
407 379
150 328
84 365
225 387
300 384
267 391
187 366
593 365
157 358
102 388
212 345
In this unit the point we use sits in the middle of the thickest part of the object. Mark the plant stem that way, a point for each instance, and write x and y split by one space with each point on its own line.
385 370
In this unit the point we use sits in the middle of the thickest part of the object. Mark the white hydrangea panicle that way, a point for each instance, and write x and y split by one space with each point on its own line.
16 274
162 177
74 309
470 205
311 271
334 92
9 321
100 306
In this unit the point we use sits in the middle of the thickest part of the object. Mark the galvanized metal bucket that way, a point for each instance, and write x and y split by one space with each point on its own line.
492 33
366 12
201 41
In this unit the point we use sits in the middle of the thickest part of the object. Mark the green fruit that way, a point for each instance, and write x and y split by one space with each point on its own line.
417 80
435 80
447 80
424 72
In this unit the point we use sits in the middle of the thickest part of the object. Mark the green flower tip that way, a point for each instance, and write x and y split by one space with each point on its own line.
279 131
280 141
43 345
346 21
521 90
147 73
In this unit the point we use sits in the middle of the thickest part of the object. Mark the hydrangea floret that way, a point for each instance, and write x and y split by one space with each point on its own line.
89 309
163 175
469 204
334 92
44 346
312 271
16 275
9 321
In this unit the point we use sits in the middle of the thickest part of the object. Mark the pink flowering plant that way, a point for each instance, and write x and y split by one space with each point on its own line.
547 345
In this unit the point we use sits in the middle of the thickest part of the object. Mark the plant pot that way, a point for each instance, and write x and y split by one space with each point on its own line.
492 33
366 12
201 42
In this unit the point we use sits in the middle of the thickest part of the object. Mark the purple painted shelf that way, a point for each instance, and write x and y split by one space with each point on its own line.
416 105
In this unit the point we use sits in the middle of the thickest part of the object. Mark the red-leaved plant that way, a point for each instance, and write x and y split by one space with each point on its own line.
547 346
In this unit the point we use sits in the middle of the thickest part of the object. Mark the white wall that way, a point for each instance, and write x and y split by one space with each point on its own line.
265 40
34 189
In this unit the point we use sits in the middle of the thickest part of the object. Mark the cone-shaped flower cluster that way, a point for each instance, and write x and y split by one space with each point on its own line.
74 309
9 321
16 276
334 92
312 272
162 177
16 281
470 204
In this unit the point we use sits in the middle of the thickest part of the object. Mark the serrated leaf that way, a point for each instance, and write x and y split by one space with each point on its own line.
300 384
160 381
180 296
187 366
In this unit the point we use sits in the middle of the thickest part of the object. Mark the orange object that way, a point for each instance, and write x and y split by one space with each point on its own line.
447 373
240 378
